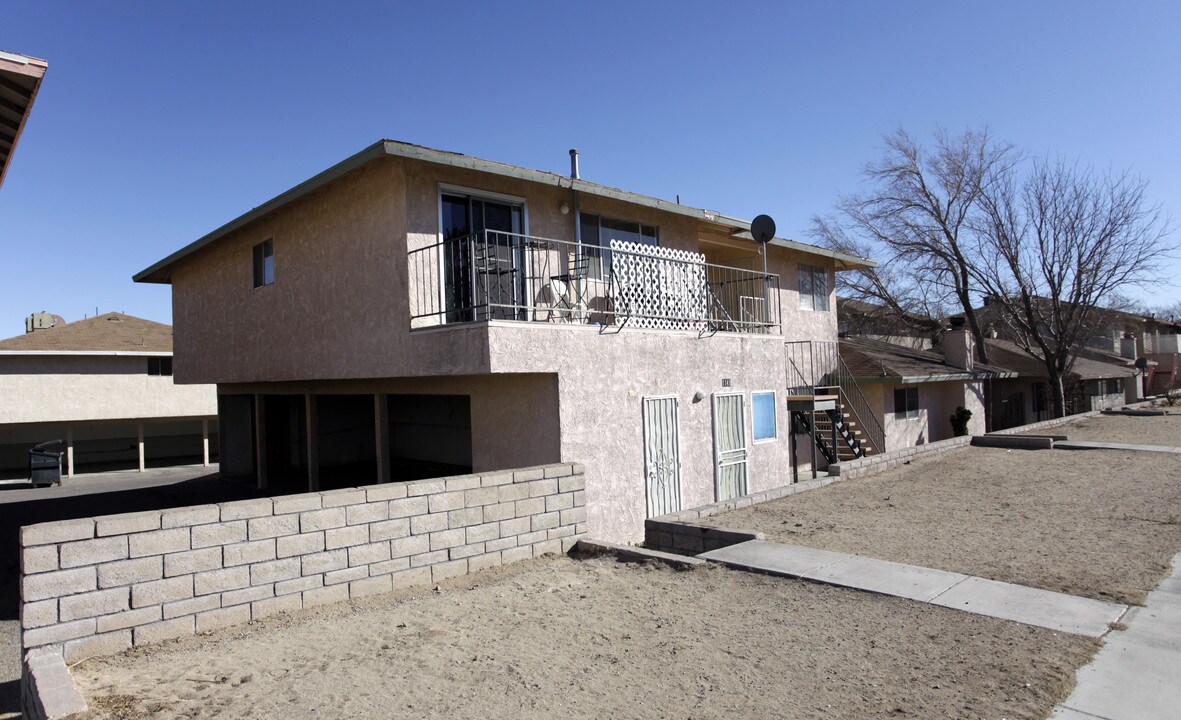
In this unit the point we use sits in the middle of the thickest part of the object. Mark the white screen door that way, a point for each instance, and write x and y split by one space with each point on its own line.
730 450
662 455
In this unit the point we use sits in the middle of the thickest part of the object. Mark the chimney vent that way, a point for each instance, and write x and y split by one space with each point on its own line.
574 163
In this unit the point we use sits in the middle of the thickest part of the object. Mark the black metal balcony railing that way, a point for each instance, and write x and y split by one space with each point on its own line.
506 276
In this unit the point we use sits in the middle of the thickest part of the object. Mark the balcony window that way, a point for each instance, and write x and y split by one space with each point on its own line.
814 288
597 234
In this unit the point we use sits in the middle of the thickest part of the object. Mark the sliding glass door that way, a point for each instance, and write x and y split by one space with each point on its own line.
483 271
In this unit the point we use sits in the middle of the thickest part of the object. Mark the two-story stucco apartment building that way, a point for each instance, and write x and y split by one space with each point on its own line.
414 313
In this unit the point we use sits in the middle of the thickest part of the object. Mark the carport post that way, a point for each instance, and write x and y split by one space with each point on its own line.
139 428
205 443
260 436
69 451
381 425
313 442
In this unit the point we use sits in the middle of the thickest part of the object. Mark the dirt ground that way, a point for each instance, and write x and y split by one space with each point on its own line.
557 637
1098 523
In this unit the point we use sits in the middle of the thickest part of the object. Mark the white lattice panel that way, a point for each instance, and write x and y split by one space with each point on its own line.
659 287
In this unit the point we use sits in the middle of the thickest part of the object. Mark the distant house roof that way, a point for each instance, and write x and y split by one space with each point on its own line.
1007 354
20 78
161 272
111 333
873 361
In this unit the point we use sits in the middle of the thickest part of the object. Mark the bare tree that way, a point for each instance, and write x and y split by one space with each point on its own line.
1065 241
915 220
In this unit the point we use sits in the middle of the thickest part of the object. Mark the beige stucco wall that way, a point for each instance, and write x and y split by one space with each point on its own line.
937 402
37 389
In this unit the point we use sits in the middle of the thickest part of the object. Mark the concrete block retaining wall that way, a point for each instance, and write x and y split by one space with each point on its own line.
97 586
889 460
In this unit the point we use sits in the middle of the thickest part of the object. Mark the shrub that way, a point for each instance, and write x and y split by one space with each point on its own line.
959 421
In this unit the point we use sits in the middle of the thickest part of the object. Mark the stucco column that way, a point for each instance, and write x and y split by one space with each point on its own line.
313 443
381 426
260 446
139 429
205 443
69 451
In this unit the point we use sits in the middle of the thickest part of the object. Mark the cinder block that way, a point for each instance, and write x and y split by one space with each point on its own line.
389 529
414 577
579 498
127 572
447 538
47 691
481 496
442 502
159 542
272 526
581 529
465 517
191 606
158 592
408 507
541 488
215 581
463 482
425 487
251 552
93 552
126 523
368 554
302 544
246 595
429 558
58 633
421 524
346 536
321 519
93 604
482 533
370 586
57 532
297 503
484 562
192 561
500 511
532 506
511 493
298 585
453 568
578 468
366 513
38 559
323 562
58 583
345 575
413 545
501 544
516 554
571 484
516 526
38 614
557 471
128 619
216 619
219 534
274 571
532 537
384 492
163 630
189 516
547 547
276 605
528 474
342 497
573 516
246 509
464 551
111 643
568 544
325 595
559 532
564 501
495 479
389 566
544 521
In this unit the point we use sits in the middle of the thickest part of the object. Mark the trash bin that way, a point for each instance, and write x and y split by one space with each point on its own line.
45 464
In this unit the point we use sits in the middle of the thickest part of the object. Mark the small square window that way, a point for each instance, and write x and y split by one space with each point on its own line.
906 403
160 366
264 263
762 410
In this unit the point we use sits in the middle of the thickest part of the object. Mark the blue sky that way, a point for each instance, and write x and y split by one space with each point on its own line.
159 121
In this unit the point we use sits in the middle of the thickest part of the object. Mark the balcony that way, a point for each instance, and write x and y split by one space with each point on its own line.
496 275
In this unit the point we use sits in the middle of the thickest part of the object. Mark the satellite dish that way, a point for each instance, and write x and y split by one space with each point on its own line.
1141 362
763 228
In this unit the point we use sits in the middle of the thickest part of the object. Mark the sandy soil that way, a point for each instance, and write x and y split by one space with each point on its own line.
599 639
1098 523
1135 429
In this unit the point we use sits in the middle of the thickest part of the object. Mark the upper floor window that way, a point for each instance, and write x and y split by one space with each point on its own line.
597 233
906 403
814 287
264 263
159 366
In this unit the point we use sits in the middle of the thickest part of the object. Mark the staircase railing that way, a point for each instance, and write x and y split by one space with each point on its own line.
813 364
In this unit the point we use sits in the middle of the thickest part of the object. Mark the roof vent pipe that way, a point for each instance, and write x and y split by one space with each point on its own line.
574 163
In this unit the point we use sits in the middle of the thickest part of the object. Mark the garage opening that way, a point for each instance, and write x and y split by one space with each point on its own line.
286 443
430 436
346 440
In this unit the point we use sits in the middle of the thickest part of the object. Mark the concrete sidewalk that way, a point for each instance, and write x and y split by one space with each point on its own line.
1031 606
1104 445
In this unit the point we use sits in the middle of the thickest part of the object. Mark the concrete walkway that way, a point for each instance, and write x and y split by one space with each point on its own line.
1103 445
1031 606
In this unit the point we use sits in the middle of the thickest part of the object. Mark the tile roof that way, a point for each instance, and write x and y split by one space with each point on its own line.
870 359
110 332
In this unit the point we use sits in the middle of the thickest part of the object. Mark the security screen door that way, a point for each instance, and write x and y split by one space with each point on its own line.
730 449
483 273
662 455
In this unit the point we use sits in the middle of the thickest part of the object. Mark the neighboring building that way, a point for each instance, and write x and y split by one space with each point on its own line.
20 79
914 393
857 318
416 313
104 387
